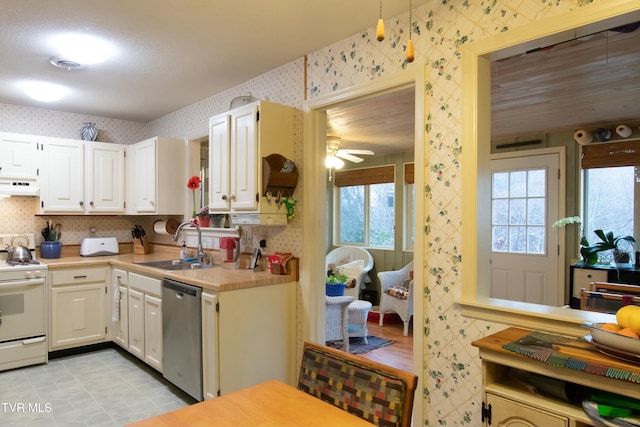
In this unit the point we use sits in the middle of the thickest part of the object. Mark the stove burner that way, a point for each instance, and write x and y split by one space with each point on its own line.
23 262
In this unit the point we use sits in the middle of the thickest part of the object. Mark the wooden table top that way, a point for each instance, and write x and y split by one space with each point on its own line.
581 351
268 404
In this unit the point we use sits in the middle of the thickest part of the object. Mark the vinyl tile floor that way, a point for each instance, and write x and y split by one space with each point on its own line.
105 388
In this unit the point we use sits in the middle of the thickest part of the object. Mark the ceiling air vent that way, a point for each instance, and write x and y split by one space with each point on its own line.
65 64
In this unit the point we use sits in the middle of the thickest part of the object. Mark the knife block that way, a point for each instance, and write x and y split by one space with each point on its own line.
142 246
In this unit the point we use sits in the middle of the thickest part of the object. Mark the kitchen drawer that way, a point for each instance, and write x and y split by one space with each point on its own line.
149 285
16 354
74 276
582 277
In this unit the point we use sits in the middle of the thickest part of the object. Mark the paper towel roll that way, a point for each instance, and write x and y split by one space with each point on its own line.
583 137
624 131
165 227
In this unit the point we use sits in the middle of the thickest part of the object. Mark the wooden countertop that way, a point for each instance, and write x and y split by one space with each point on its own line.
214 279
268 404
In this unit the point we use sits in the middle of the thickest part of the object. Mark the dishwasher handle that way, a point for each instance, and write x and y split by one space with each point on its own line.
181 289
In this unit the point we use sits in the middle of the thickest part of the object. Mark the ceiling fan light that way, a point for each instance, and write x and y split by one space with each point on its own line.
333 162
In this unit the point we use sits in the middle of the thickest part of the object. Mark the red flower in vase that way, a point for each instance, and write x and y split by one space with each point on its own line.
194 183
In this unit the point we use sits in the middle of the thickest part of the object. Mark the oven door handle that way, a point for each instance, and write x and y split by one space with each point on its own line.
21 283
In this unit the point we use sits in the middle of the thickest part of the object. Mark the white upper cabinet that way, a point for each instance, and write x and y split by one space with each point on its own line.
81 177
238 141
18 159
62 177
105 177
158 181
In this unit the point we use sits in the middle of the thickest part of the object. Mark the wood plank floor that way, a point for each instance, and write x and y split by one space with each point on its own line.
400 354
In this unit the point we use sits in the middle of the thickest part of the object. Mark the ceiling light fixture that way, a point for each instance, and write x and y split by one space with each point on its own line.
82 49
44 91
410 51
380 27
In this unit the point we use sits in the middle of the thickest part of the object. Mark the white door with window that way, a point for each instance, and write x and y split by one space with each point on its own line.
524 247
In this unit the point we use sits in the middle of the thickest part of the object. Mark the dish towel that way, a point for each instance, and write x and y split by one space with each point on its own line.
115 313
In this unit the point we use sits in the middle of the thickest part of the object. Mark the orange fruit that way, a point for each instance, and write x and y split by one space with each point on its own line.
634 321
611 327
624 313
627 332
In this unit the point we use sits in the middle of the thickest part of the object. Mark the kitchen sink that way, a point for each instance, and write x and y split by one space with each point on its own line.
175 264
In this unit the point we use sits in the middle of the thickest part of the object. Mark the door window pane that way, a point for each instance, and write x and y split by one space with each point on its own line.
519 211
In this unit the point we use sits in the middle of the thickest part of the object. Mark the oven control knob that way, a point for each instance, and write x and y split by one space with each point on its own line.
37 274
28 274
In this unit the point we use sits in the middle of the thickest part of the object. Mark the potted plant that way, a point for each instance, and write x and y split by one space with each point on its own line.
51 246
335 283
204 220
607 242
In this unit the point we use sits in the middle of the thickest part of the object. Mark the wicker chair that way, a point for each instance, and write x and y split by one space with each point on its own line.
402 306
370 390
344 254
359 310
336 320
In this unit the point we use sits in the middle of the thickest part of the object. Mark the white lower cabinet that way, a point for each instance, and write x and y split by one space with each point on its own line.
242 344
136 323
141 315
509 413
120 326
78 307
209 346
153 331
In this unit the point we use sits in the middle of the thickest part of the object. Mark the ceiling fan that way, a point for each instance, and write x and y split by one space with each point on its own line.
335 154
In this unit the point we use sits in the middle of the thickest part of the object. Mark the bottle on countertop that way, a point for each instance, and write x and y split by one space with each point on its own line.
183 250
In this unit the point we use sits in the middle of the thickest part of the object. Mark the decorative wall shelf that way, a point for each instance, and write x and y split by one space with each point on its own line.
274 180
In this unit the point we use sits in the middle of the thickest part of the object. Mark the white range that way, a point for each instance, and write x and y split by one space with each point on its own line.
23 318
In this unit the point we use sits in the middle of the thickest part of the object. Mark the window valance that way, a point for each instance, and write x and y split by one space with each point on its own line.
605 155
364 176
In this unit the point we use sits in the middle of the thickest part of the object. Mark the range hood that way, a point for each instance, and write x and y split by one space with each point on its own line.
10 187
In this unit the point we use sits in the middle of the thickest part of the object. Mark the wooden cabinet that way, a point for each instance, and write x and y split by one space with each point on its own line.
18 157
242 344
145 319
511 400
158 183
80 177
239 139
77 307
581 277
120 326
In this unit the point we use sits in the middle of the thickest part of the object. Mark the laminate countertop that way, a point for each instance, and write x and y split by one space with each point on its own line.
213 279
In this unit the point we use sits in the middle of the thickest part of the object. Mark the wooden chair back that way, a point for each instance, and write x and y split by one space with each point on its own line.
375 392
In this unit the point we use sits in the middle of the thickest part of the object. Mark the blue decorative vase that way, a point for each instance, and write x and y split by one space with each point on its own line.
89 132
50 249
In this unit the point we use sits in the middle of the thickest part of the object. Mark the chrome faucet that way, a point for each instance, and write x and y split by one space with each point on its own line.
201 254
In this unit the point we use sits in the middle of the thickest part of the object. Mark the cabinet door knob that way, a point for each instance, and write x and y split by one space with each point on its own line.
224 197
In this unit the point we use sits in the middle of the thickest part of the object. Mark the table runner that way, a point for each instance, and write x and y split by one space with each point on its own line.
538 345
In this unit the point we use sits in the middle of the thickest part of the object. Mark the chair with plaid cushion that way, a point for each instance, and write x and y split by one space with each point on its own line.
375 392
397 294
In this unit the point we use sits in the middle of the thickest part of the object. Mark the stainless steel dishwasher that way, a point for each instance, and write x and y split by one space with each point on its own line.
182 336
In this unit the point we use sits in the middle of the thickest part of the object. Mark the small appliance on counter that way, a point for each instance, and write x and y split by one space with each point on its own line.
99 246
231 254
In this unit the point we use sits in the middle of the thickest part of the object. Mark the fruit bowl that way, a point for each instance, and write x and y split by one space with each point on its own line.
612 339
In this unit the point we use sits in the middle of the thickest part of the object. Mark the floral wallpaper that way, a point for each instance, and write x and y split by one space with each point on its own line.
451 373
452 380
